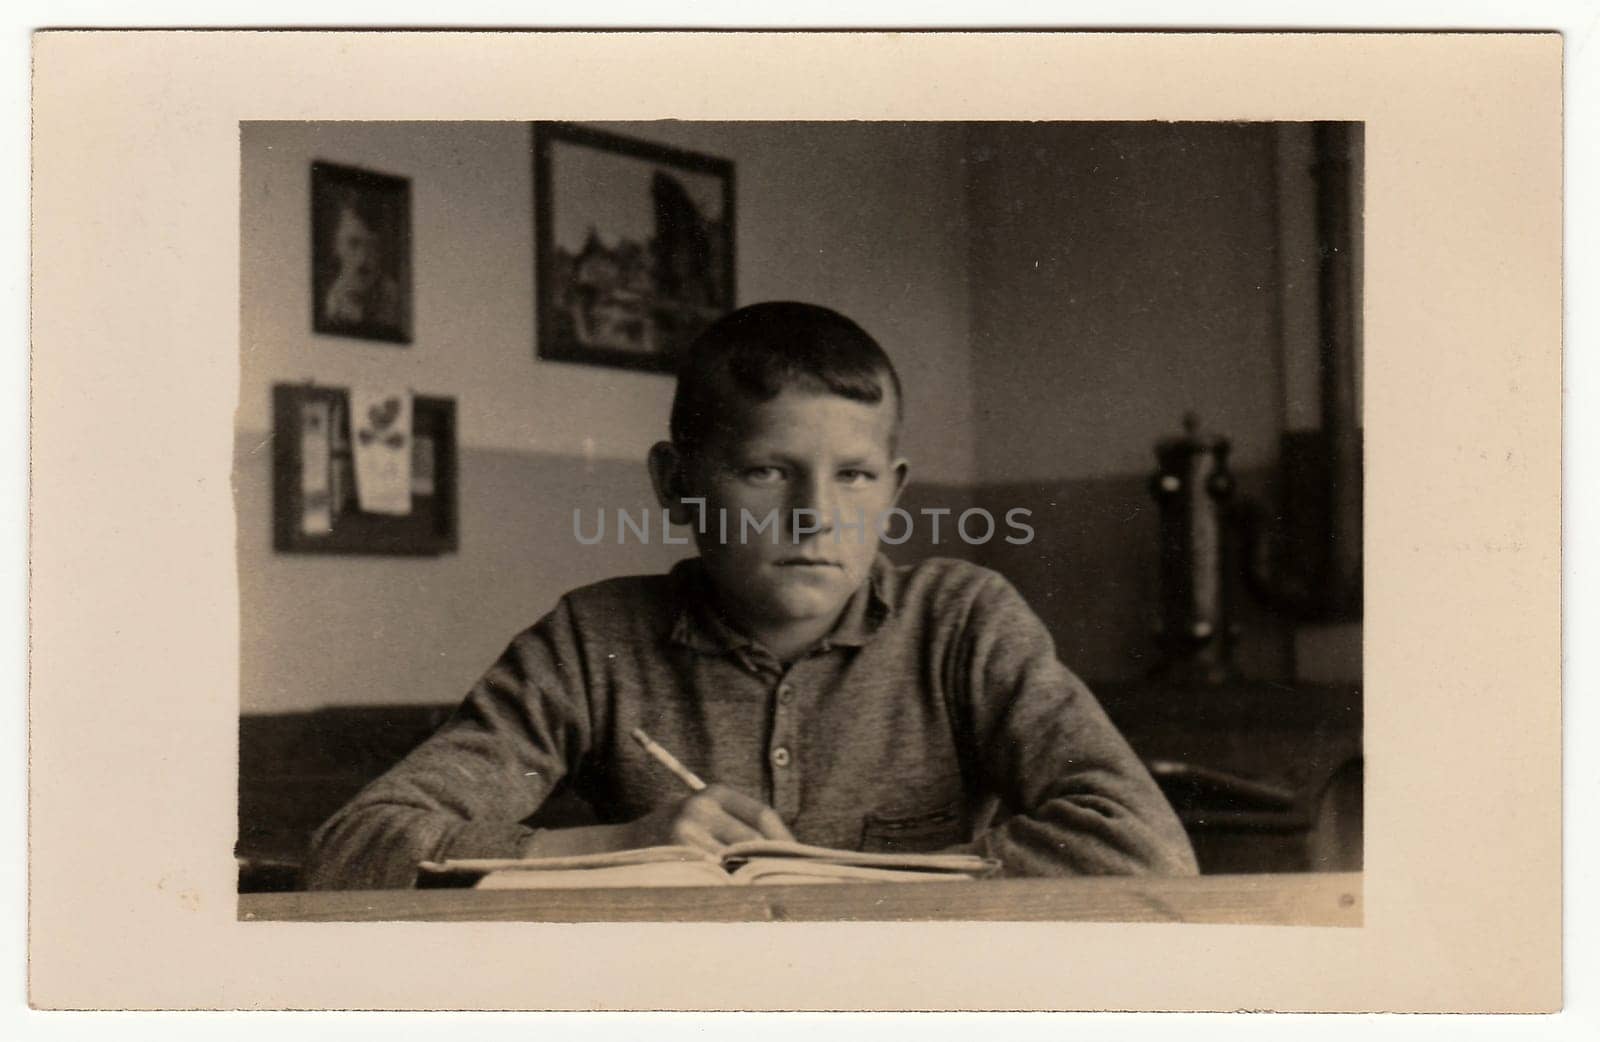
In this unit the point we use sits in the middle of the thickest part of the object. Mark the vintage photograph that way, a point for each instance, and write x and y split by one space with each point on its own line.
1022 521
361 250
1003 532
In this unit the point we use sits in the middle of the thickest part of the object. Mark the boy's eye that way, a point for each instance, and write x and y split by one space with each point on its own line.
763 475
854 476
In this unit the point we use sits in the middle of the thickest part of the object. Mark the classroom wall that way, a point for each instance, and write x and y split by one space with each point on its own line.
1122 275
870 221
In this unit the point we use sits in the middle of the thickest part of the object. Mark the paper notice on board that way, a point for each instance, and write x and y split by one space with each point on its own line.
316 516
380 424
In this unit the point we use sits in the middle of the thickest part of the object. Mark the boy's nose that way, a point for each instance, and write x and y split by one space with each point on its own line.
816 495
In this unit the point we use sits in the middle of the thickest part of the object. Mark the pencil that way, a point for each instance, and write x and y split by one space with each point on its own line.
668 761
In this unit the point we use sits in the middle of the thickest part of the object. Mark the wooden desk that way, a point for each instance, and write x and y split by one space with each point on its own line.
1330 899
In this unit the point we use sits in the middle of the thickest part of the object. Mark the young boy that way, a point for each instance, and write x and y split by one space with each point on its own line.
830 696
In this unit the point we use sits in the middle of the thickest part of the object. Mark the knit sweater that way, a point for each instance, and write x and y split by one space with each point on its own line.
934 715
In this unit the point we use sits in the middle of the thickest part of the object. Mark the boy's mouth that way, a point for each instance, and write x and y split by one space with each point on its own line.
806 562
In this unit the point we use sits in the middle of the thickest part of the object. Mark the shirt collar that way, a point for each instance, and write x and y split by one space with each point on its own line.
698 626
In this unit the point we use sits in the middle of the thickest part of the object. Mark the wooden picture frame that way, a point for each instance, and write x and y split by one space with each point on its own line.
429 529
360 253
634 245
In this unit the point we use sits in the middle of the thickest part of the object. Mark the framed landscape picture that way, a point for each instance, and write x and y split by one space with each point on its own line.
360 253
634 245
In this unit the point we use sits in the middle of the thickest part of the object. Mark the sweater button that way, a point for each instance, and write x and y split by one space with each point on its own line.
780 757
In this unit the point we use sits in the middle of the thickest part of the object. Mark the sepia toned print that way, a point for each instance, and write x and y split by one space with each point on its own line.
850 657
241 676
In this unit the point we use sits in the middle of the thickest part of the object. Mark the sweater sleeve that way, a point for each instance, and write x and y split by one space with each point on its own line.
1083 802
465 791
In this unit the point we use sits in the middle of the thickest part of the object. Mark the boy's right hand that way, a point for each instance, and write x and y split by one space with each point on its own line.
709 820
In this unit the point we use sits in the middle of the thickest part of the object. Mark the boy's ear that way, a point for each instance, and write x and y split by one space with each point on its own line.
902 473
667 476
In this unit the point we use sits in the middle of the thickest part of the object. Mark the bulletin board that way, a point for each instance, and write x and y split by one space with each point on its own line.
315 505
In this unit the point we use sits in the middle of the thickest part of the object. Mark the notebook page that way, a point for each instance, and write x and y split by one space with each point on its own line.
739 853
789 870
637 856
657 874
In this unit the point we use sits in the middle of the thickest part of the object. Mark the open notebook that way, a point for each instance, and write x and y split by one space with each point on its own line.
755 862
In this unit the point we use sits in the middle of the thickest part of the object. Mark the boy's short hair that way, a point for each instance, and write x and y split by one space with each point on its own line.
763 349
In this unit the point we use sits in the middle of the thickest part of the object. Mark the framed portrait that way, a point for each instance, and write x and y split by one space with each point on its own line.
361 253
634 245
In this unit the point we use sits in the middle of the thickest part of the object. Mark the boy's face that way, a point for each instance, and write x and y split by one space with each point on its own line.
823 455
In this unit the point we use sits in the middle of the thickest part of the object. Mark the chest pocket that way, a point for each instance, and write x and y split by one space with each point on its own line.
913 833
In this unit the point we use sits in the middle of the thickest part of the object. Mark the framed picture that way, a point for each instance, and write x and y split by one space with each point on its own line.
316 505
634 243
360 253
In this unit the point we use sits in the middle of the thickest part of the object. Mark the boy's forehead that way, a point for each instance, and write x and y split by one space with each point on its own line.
799 413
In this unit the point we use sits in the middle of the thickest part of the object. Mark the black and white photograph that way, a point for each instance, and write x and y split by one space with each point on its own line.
1004 533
